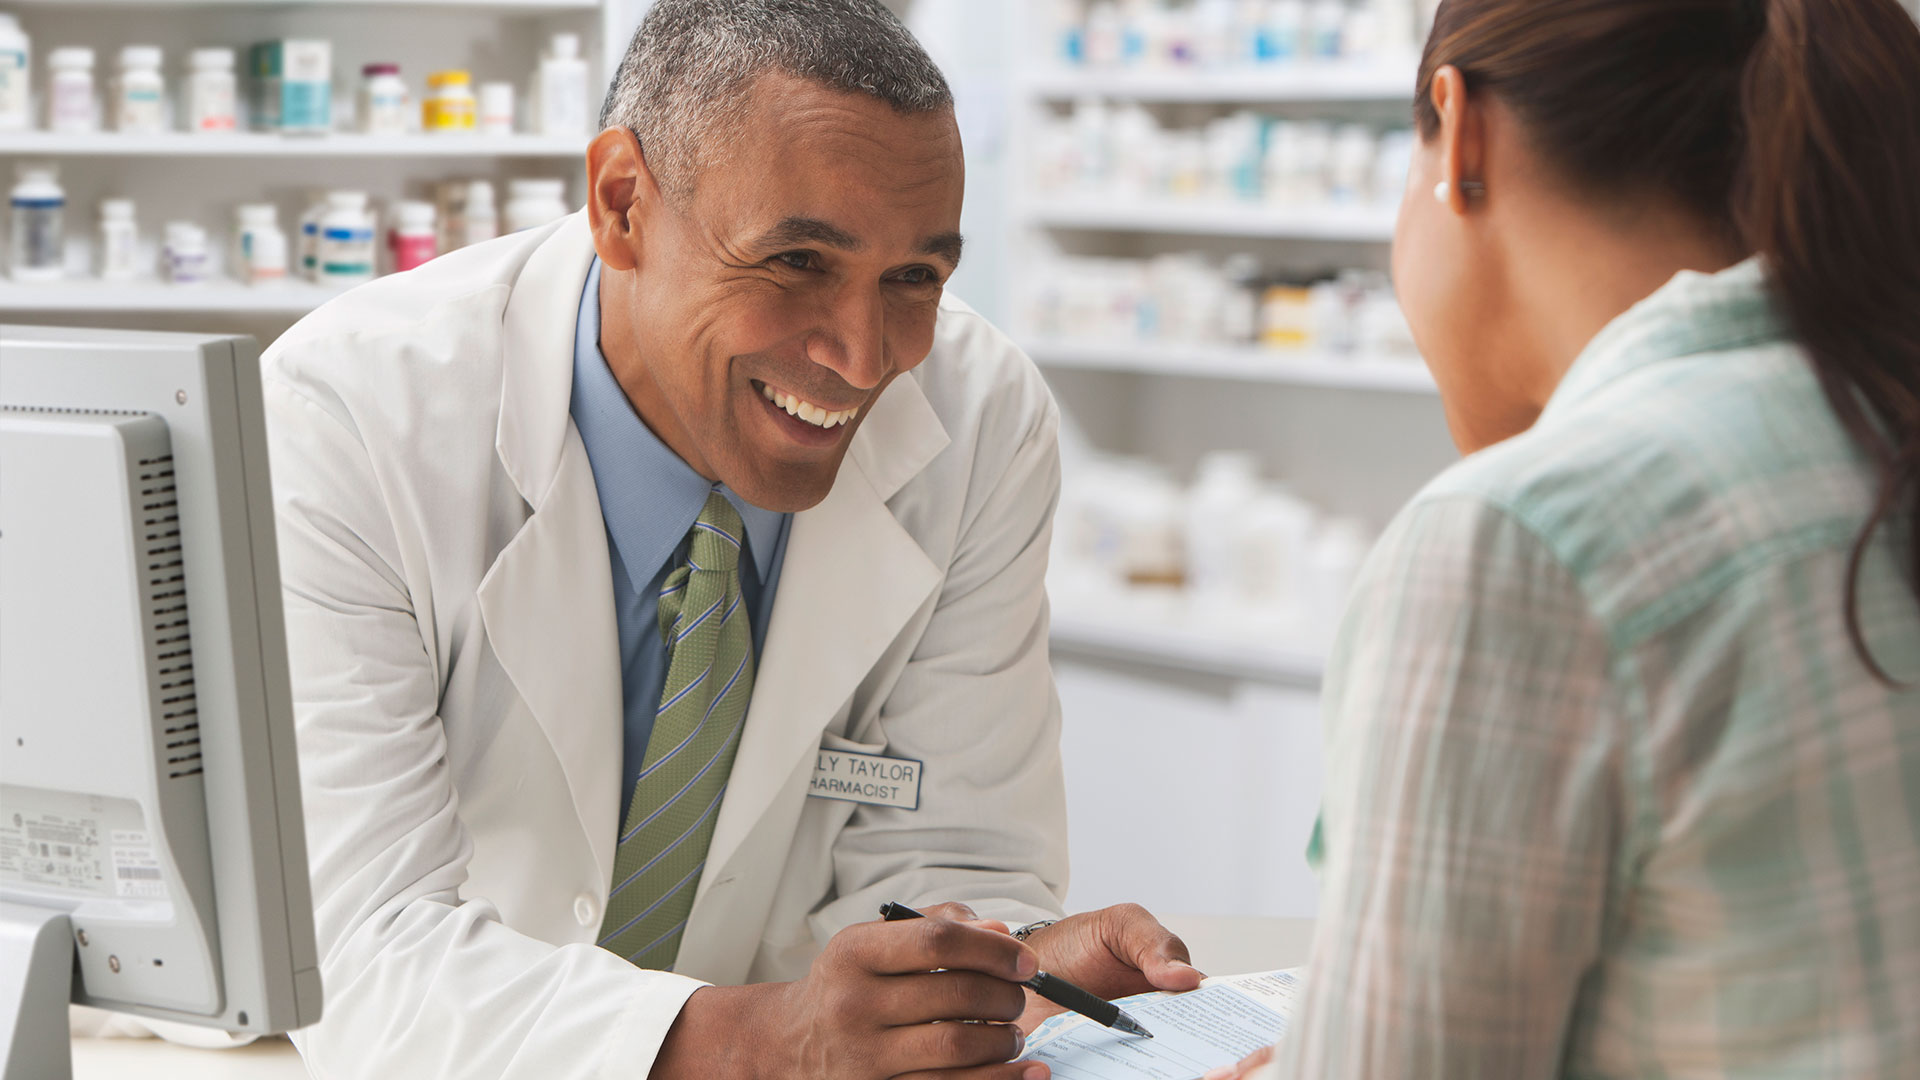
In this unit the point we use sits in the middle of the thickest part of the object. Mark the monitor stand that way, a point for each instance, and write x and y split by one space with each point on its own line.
36 981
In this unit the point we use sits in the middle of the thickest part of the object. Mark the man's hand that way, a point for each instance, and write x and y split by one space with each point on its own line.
877 1004
1112 952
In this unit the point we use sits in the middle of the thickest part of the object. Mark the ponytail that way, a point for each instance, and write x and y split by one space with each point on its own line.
1793 126
1829 192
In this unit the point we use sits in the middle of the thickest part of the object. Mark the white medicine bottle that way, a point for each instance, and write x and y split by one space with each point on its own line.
140 93
480 219
72 106
39 224
346 248
561 90
212 92
533 203
16 73
263 247
385 105
186 255
119 240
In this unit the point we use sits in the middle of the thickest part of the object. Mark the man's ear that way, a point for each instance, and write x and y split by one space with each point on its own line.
620 188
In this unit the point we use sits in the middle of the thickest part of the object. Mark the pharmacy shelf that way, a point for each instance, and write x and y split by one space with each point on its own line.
284 298
1340 224
258 145
504 6
1293 367
1281 84
1185 649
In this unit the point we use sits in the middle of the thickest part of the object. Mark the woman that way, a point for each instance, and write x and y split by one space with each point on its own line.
1624 760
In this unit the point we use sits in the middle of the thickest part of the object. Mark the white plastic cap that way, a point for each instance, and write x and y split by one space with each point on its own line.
72 57
184 234
141 56
496 97
536 189
347 200
413 214
480 193
116 210
565 46
212 59
29 172
259 214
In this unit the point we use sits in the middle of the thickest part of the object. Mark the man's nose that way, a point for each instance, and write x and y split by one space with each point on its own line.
852 339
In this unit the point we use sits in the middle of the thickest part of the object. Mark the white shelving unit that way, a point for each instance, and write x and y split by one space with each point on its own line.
1302 368
1290 85
201 178
1253 221
290 299
1188 649
258 145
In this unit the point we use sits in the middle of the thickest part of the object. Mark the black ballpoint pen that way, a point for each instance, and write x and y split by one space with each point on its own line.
1053 988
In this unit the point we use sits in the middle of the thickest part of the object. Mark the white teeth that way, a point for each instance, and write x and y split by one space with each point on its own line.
806 410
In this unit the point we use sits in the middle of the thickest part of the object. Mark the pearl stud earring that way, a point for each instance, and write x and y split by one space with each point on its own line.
1443 193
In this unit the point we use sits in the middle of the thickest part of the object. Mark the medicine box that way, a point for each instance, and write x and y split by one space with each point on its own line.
292 85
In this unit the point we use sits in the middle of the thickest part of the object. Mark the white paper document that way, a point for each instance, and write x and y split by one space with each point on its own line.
1225 1020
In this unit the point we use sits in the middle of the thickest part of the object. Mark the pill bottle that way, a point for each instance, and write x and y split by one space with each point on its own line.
560 92
383 100
186 256
480 220
532 203
263 246
212 91
496 108
16 73
140 93
119 240
450 105
346 240
451 197
72 106
413 240
307 243
39 223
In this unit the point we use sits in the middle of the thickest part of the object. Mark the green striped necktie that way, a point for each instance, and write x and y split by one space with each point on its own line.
663 845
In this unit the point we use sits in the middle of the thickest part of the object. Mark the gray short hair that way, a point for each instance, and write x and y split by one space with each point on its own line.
692 64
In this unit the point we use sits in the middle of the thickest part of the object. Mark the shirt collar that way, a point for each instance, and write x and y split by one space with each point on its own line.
649 497
1692 314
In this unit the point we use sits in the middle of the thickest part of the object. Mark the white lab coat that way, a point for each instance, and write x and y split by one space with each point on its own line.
457 687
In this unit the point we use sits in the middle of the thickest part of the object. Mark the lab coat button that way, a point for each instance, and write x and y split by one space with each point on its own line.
585 910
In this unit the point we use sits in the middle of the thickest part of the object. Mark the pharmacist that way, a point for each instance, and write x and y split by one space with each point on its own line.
604 543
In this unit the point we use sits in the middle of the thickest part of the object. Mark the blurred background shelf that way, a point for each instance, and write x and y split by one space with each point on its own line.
289 299
1232 656
500 6
1245 363
261 145
1305 82
1340 224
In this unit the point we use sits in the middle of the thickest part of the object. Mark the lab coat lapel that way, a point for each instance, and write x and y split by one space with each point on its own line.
852 579
547 601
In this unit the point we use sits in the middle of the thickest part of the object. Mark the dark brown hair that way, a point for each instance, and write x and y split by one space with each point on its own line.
1792 125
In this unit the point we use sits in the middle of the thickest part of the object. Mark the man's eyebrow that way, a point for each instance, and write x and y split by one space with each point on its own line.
806 230
946 245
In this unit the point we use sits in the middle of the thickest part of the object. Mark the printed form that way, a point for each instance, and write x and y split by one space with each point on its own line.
1225 1020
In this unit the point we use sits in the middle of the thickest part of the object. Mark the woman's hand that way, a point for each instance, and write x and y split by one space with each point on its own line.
1245 1069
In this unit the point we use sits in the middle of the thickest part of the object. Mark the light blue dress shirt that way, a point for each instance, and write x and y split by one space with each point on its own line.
650 500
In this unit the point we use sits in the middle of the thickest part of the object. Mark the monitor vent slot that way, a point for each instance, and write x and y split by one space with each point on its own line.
166 581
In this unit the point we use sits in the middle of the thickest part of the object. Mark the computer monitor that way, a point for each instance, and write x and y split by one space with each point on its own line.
152 857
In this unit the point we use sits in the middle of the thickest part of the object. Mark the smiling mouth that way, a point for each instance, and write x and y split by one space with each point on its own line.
801 409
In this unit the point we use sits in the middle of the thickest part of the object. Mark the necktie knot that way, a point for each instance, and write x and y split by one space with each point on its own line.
715 540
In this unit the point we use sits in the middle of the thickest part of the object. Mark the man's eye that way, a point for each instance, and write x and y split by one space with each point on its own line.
920 275
799 260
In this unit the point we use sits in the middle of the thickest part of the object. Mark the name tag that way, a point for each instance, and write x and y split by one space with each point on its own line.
851 776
